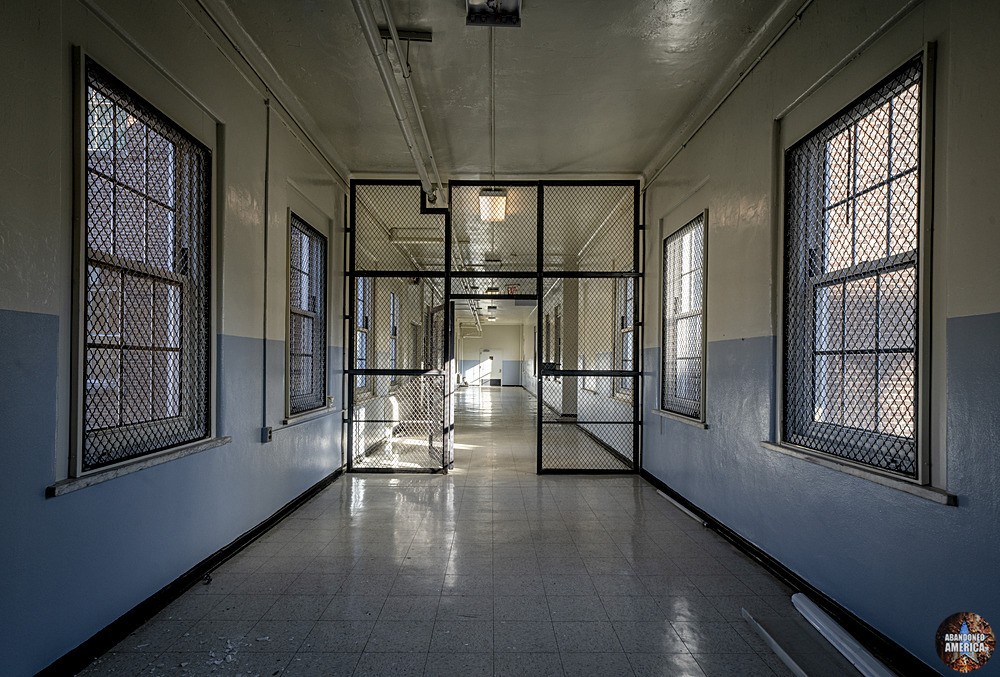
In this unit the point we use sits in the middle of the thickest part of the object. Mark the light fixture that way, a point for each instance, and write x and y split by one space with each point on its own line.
492 204
491 318
491 309
493 290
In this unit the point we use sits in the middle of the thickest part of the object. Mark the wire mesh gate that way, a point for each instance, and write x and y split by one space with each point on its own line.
570 249
399 360
588 344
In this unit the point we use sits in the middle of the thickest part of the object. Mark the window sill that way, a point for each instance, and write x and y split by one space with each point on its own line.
307 416
98 476
926 492
681 418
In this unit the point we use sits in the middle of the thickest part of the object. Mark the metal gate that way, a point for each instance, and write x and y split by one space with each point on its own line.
399 357
570 249
589 281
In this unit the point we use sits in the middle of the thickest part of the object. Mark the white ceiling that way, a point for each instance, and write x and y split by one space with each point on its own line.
585 87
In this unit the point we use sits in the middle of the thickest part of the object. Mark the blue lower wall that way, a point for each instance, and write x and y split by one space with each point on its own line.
73 564
899 562
511 375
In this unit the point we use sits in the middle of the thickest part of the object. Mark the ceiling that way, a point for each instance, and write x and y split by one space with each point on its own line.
584 87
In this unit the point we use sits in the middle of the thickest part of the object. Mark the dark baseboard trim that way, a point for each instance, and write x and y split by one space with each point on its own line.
889 652
80 657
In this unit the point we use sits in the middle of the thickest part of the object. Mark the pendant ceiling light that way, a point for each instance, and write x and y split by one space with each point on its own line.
492 204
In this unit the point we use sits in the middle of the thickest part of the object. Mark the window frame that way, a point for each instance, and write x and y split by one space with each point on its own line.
393 336
324 316
621 329
164 111
367 387
929 463
702 312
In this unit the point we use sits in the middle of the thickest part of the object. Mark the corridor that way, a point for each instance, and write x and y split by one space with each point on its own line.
489 570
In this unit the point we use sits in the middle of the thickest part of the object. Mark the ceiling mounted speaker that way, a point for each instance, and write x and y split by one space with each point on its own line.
493 13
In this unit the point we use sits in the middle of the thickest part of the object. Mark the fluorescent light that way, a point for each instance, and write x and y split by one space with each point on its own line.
492 204
491 319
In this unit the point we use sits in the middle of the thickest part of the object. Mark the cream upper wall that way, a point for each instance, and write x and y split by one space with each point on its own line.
505 338
732 163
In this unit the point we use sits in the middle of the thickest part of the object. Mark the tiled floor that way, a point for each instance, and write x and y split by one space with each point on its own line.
490 570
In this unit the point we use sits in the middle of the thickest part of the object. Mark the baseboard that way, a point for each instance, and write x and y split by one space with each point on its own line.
886 650
107 638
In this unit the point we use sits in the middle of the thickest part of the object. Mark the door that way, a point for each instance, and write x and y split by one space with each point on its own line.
492 368
589 380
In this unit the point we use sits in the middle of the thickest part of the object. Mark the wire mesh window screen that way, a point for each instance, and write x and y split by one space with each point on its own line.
363 298
393 332
683 319
306 317
625 314
850 327
147 298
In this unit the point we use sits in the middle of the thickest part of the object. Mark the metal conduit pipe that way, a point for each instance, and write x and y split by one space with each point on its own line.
370 29
404 67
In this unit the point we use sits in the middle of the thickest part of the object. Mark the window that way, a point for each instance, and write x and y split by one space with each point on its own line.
362 321
624 334
547 338
851 272
557 338
393 333
683 365
146 297
306 318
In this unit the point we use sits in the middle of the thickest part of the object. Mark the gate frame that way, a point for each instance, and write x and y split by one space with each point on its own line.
350 301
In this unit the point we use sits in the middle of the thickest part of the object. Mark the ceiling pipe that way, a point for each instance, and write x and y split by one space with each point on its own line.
370 29
404 66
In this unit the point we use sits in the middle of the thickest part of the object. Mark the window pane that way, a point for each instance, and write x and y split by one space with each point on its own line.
830 317
100 214
167 316
689 337
138 307
838 167
906 130
872 151
896 395
860 314
161 237
162 172
898 310
860 389
872 217
104 306
103 389
829 379
689 379
130 168
166 384
137 381
905 214
839 238
130 225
